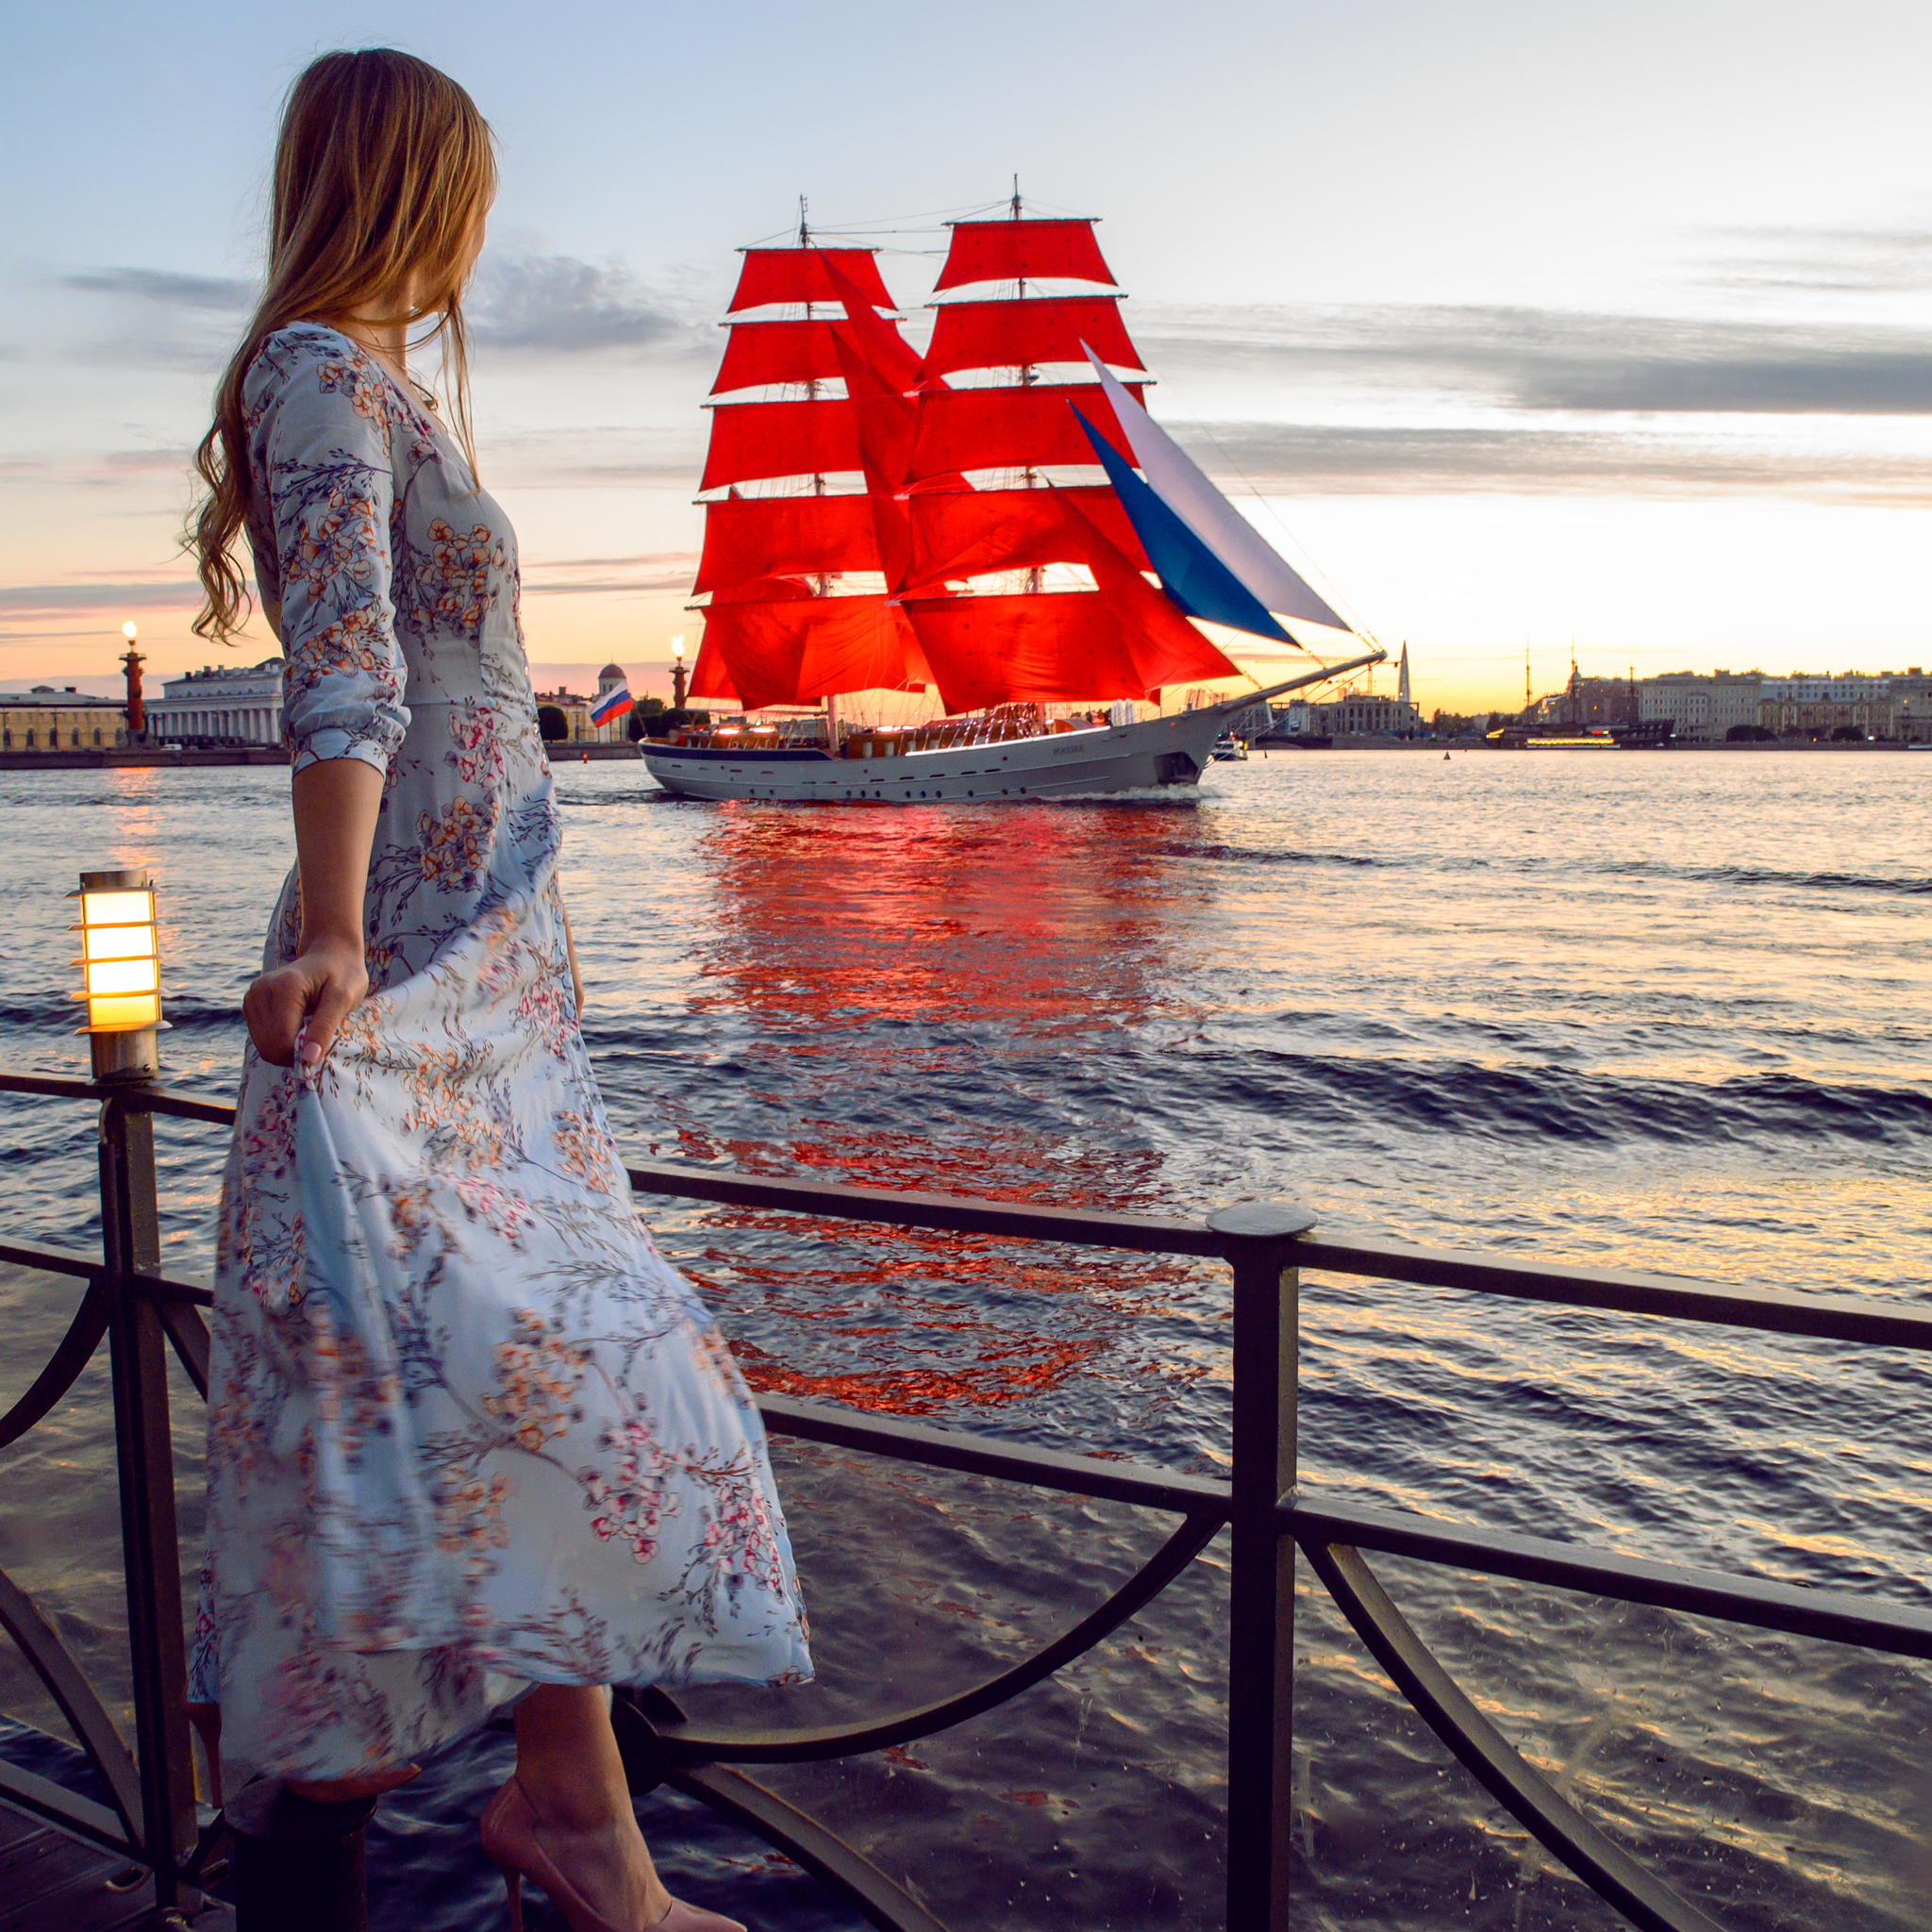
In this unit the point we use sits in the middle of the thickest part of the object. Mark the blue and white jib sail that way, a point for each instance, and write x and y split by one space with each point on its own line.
1211 561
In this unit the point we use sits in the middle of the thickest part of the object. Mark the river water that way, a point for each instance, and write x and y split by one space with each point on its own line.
1667 1011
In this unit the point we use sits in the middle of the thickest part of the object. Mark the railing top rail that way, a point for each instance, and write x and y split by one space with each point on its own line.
1673 1297
132 1094
1833 1318
951 1213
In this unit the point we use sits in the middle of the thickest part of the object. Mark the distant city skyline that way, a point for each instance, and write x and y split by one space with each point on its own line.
1523 323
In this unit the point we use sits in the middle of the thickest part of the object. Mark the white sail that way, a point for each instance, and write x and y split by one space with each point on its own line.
1177 480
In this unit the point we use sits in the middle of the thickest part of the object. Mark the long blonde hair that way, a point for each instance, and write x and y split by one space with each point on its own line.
383 166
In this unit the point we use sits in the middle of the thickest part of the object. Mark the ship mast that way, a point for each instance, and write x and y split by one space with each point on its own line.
1029 374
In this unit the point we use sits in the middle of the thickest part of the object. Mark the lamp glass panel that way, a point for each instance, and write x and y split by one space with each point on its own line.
124 1011
122 975
119 941
117 908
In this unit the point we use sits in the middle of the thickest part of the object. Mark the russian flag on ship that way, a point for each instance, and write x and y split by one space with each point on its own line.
613 704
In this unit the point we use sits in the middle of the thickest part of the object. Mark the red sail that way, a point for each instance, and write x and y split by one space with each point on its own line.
797 651
798 274
1120 641
762 352
1001 650
708 676
1004 335
785 440
785 535
882 419
970 533
1006 250
886 352
1013 428
1166 648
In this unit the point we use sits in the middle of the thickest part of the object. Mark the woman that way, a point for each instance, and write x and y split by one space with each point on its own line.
470 1439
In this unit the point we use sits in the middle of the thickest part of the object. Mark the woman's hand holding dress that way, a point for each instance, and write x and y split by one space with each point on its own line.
336 805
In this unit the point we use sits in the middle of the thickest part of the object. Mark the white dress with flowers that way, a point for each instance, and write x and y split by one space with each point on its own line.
467 1429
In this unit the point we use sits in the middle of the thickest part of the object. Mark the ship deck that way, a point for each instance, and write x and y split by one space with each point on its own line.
51 1881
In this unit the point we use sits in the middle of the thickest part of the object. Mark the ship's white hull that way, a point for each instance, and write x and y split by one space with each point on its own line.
1160 755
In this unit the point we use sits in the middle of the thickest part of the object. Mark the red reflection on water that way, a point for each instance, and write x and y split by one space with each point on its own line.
977 938
1048 917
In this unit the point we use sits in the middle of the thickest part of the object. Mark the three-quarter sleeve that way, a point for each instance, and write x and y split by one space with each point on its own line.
321 448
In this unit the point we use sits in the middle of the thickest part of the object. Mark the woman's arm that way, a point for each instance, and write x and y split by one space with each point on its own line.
322 454
336 805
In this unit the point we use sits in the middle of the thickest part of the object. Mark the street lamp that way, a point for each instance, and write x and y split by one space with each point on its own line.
120 972
678 674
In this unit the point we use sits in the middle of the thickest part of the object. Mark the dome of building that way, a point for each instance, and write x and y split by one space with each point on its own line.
611 673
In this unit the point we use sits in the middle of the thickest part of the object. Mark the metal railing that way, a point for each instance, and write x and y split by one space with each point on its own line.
141 1313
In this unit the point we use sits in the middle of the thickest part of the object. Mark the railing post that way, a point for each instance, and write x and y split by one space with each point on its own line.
137 1354
298 1863
1260 1663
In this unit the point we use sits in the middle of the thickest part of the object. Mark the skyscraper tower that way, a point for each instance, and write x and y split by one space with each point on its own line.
1402 696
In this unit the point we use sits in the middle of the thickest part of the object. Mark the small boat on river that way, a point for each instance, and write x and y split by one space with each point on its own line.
979 522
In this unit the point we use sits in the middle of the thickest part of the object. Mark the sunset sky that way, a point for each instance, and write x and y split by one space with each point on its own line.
1529 321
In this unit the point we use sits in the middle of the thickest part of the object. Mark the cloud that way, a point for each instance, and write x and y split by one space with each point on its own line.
1558 360
663 570
1284 459
160 318
127 594
1825 261
168 286
608 456
522 303
558 305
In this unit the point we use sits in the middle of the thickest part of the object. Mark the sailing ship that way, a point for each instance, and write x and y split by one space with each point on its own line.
978 522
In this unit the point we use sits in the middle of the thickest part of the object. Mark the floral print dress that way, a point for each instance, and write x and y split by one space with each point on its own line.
467 1430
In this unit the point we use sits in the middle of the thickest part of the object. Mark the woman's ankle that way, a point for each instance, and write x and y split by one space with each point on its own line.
565 1800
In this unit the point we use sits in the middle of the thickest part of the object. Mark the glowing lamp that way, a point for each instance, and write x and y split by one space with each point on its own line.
677 648
130 630
121 973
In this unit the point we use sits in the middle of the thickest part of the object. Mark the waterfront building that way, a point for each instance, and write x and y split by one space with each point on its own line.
563 716
1702 705
1585 702
1355 714
1705 707
1364 714
220 704
1873 704
45 719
